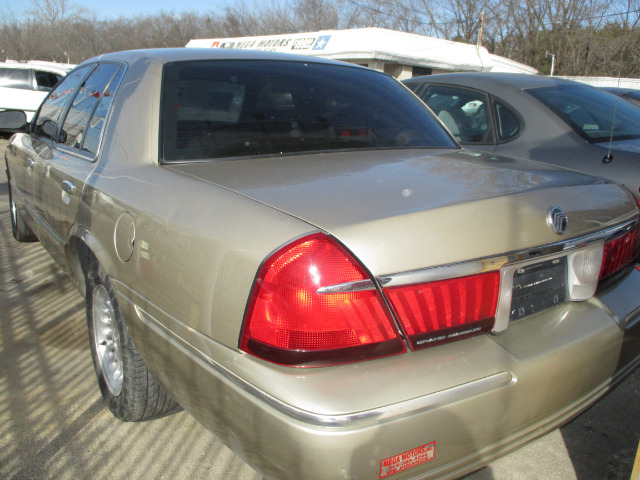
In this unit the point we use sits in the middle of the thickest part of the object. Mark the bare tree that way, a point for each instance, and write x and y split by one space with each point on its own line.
587 37
314 15
52 12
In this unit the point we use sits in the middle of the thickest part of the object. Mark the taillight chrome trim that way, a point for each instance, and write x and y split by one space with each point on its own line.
359 286
444 272
489 264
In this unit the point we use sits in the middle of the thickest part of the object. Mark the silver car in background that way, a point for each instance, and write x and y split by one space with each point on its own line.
298 253
547 119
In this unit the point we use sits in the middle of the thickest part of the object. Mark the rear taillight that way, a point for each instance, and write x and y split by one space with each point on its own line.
290 322
443 311
620 252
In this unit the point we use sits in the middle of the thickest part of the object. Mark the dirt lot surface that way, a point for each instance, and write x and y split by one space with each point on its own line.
53 424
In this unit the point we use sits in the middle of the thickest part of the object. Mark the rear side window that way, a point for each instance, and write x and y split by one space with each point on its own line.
222 109
49 116
463 111
99 119
84 104
15 78
414 87
507 123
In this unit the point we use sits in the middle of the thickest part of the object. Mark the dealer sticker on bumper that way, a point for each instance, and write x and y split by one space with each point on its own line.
412 458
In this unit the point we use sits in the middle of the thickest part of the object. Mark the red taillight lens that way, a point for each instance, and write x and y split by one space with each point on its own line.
619 252
447 310
290 323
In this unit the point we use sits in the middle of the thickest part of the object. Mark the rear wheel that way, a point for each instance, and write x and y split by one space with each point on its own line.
129 388
21 231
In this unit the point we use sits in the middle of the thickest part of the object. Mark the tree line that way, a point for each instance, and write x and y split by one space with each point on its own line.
584 37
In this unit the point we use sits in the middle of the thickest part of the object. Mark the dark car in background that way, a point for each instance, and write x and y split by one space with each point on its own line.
547 119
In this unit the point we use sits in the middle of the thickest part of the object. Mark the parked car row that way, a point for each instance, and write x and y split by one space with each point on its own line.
300 254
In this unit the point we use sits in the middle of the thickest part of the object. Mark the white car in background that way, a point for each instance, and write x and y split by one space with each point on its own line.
23 86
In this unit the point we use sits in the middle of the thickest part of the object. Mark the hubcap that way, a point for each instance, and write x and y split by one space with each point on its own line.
107 339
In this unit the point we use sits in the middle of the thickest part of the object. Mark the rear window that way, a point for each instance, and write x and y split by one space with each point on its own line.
221 109
595 115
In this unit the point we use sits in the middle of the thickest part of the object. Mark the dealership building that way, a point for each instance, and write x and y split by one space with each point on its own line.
403 55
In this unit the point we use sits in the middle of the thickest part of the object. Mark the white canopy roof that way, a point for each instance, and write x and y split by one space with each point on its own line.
362 44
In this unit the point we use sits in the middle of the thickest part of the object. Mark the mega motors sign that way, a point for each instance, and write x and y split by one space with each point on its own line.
285 43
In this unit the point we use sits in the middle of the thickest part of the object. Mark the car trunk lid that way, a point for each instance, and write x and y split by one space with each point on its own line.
398 210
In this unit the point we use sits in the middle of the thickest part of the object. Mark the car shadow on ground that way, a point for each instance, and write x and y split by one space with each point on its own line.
53 421
602 442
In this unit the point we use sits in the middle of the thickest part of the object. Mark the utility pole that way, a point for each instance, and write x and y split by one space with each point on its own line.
553 61
479 44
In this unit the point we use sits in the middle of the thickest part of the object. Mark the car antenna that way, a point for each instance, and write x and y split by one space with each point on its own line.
608 158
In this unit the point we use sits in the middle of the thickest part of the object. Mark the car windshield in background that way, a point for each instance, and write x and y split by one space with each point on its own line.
597 116
221 109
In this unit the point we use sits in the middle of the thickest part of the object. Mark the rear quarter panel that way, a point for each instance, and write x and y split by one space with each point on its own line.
196 245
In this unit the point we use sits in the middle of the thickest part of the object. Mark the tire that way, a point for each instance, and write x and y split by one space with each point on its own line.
130 390
21 231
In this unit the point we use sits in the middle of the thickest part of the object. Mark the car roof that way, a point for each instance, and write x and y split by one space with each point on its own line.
166 55
482 79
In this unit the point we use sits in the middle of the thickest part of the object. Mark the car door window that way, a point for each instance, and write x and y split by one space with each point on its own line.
15 78
508 125
46 123
46 80
463 111
84 104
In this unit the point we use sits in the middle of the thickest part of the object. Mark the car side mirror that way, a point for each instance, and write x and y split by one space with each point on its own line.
50 129
12 120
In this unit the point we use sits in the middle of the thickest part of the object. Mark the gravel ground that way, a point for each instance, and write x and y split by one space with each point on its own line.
53 424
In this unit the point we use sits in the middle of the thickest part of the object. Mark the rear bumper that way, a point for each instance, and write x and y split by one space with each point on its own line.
468 402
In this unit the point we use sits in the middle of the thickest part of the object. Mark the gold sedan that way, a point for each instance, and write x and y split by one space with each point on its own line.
299 253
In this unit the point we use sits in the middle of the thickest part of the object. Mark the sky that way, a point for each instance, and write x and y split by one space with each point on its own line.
112 9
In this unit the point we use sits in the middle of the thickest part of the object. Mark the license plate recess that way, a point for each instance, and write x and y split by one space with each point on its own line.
538 286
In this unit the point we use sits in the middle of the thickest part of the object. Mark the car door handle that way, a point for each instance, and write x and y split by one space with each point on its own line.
68 187
30 162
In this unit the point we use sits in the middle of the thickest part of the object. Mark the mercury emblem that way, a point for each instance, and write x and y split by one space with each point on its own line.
557 219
